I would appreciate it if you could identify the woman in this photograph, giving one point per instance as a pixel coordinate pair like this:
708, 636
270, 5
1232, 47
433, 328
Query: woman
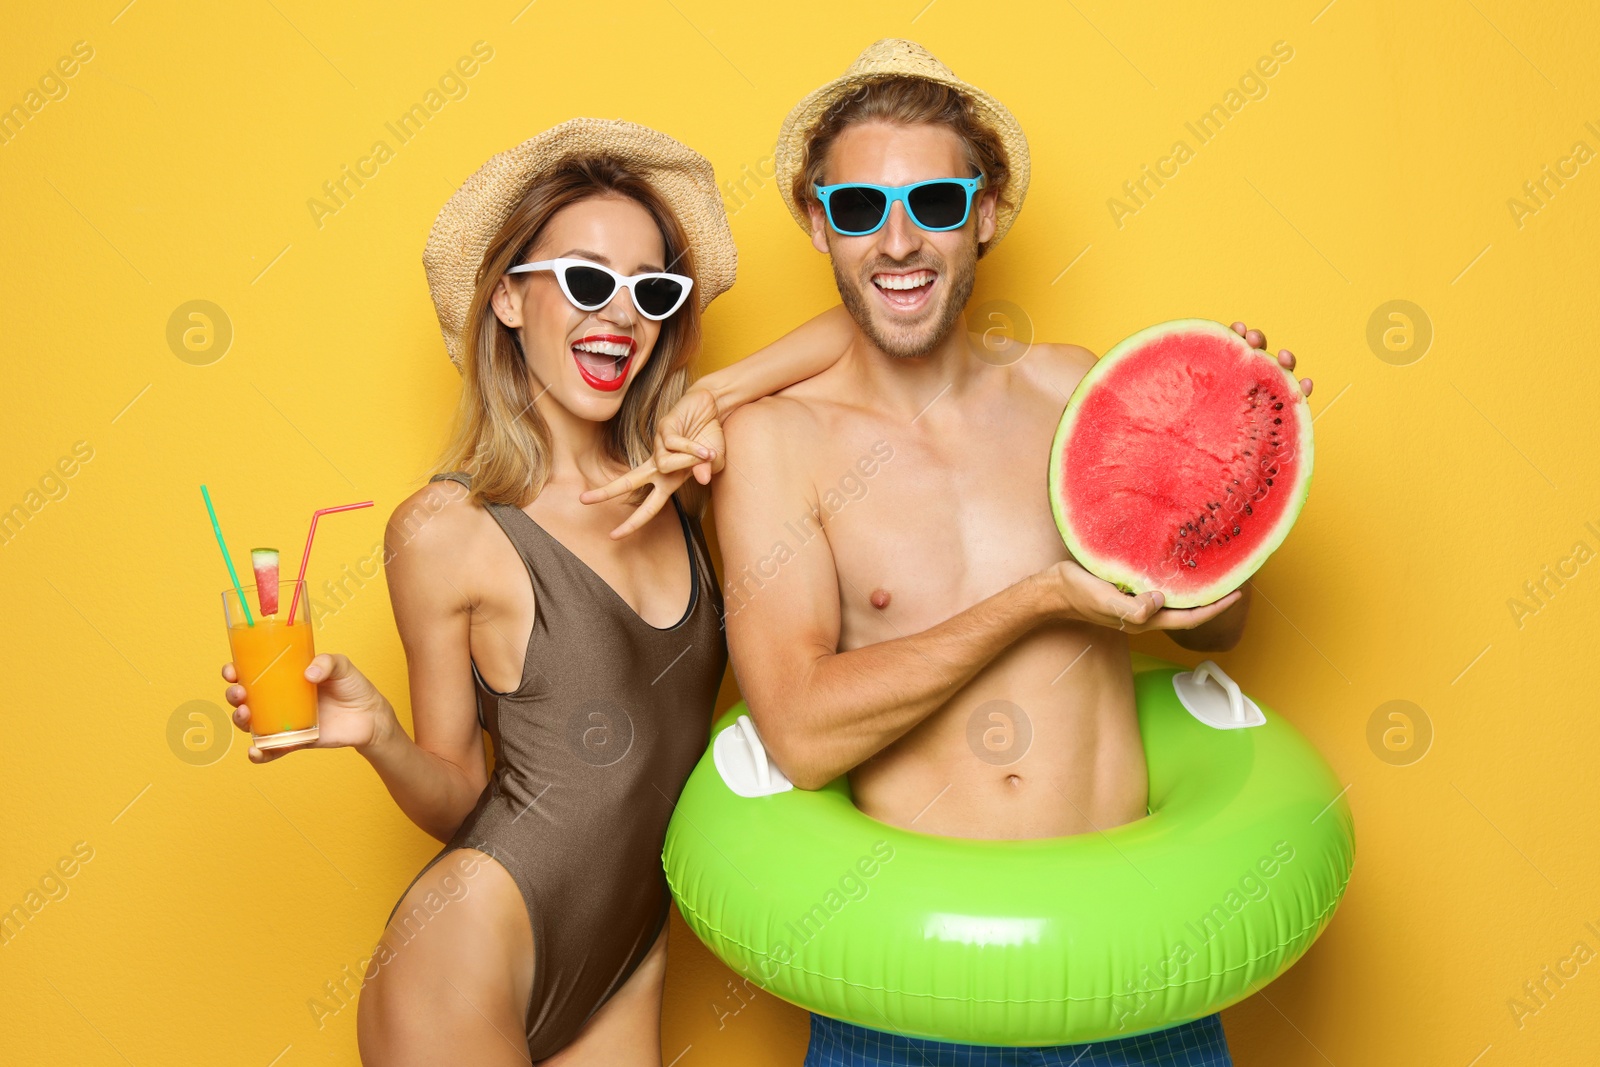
569, 275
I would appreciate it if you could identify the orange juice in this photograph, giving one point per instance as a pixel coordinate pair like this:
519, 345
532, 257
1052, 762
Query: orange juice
270, 658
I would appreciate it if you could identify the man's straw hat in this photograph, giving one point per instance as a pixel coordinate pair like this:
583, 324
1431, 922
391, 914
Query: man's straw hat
470, 218
887, 58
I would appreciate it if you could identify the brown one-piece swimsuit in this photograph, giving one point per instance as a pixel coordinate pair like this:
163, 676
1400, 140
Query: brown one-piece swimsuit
591, 752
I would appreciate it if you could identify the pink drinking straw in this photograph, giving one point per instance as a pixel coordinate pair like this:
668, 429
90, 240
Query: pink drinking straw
300, 579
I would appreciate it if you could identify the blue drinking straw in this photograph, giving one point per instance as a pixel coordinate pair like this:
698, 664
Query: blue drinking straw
244, 603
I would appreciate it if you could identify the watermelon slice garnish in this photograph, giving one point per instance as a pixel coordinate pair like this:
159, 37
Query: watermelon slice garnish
1181, 462
265, 562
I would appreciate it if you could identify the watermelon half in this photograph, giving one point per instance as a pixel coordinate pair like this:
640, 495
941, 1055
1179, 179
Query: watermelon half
1181, 462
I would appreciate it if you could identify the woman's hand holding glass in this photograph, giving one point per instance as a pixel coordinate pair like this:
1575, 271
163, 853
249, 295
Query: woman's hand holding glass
351, 713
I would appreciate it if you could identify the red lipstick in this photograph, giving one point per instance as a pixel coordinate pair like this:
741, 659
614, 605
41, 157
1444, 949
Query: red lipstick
596, 368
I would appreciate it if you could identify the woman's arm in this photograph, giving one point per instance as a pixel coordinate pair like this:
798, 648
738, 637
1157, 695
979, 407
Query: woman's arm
437, 778
808, 349
689, 437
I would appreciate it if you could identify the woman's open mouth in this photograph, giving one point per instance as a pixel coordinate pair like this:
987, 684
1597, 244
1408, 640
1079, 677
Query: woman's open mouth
905, 290
603, 359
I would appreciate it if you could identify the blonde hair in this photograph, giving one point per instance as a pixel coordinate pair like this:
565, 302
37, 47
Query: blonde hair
906, 101
500, 438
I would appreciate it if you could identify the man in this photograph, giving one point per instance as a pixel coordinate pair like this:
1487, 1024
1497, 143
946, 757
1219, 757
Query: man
895, 582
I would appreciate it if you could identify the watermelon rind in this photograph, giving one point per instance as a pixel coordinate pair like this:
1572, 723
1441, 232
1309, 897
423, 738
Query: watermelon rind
1118, 572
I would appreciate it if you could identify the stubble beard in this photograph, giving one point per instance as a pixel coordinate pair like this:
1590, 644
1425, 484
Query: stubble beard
922, 339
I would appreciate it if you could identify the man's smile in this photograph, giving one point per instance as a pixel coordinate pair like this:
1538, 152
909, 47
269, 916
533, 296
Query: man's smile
904, 291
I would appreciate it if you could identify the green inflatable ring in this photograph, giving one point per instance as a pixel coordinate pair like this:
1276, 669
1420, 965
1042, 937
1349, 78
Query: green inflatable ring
1238, 868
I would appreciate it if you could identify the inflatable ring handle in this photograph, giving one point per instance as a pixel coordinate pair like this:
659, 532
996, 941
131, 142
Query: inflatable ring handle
758, 751
1209, 669
1242, 711
754, 775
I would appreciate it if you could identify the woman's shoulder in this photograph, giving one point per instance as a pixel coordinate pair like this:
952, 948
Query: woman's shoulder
435, 524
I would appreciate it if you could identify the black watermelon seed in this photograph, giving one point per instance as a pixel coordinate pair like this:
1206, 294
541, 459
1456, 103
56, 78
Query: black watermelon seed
1247, 510
1275, 422
1236, 531
1269, 481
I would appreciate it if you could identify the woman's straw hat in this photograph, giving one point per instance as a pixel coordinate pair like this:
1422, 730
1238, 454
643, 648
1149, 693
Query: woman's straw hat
892, 57
470, 218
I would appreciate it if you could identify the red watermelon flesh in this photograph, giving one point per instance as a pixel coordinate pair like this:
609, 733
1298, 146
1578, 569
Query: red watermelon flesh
264, 561
1181, 462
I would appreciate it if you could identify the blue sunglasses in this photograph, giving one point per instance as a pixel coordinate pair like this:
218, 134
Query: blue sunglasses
855, 209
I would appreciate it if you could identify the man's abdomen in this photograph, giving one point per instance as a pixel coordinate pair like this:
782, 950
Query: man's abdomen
1043, 742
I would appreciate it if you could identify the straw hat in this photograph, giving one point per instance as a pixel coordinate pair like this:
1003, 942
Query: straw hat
470, 218
887, 58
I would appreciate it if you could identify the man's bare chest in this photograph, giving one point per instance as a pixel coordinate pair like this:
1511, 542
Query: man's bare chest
932, 526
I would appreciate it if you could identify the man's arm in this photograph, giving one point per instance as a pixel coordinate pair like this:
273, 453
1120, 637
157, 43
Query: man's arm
1221, 633
821, 711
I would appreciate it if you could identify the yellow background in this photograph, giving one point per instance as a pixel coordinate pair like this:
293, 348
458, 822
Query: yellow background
1379, 165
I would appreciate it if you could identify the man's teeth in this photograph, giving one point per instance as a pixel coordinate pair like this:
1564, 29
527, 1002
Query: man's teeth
903, 281
603, 348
